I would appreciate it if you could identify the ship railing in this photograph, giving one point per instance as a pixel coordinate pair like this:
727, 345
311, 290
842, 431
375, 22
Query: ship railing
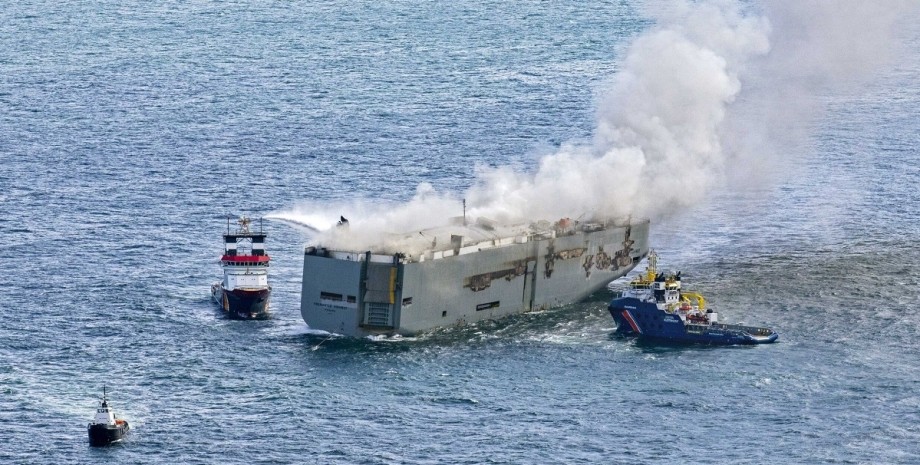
752, 330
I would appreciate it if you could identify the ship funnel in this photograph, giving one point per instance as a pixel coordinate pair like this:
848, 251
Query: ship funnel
651, 273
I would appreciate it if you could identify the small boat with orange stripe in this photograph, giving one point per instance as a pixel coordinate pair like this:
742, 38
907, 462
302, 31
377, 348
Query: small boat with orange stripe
654, 307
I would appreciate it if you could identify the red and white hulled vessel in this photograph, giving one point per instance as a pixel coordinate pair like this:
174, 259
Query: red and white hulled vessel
244, 292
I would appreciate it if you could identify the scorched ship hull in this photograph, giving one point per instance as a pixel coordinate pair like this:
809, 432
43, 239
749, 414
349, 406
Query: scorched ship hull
361, 294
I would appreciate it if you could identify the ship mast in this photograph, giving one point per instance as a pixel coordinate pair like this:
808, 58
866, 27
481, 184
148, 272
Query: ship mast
652, 270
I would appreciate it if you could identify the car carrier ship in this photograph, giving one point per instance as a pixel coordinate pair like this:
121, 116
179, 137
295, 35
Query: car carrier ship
465, 273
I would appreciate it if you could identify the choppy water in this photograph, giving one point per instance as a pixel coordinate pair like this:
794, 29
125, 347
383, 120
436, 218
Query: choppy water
127, 132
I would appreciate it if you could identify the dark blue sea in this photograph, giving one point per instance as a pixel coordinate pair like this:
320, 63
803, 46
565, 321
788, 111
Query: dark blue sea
129, 130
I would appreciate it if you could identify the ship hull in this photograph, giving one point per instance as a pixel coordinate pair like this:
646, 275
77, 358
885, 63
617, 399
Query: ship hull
647, 322
103, 435
243, 304
362, 294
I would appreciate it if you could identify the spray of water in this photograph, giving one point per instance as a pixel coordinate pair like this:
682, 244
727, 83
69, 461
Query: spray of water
715, 91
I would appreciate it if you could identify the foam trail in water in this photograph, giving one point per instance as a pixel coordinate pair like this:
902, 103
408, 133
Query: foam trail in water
700, 94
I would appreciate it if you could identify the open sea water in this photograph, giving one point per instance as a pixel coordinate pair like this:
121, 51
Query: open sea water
128, 130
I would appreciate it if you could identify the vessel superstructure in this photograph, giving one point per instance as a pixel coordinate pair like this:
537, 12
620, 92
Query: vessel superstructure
465, 273
244, 292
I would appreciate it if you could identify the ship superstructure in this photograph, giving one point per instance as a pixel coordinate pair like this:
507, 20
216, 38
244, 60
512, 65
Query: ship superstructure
465, 273
244, 292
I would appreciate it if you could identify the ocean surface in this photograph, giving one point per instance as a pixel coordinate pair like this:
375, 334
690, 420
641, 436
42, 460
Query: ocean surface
129, 130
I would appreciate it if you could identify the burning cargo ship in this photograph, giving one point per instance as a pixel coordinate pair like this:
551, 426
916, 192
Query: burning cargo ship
464, 273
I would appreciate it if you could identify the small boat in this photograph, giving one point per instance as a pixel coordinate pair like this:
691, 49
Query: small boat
105, 428
654, 307
244, 292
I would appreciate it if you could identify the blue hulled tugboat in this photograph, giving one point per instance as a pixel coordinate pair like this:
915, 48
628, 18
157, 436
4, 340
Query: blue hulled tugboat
244, 292
105, 428
654, 307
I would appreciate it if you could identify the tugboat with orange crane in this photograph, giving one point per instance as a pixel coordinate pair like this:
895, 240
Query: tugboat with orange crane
244, 292
105, 428
654, 307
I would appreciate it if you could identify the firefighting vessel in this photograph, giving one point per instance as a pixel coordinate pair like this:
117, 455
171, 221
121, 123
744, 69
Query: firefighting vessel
244, 292
655, 307
105, 428
464, 273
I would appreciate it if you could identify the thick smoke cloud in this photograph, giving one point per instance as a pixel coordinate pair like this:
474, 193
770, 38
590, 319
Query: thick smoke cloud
657, 145
715, 91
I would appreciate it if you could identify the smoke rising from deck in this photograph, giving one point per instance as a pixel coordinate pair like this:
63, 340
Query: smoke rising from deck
716, 91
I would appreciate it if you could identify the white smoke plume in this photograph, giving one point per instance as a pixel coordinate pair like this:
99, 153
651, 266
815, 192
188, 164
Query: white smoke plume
819, 48
372, 224
657, 143
714, 90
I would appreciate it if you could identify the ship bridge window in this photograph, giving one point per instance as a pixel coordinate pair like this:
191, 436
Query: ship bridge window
350, 299
330, 296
